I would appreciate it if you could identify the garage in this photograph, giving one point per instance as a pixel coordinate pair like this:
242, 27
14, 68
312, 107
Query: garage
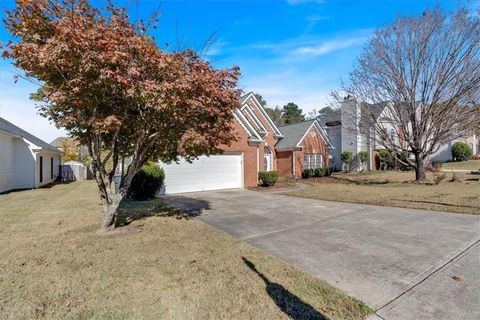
214, 172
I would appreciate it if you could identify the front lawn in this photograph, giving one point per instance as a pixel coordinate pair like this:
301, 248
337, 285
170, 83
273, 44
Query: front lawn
459, 192
462, 165
54, 265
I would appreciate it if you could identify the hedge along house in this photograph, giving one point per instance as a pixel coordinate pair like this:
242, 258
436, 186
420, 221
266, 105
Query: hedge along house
305, 146
26, 161
239, 163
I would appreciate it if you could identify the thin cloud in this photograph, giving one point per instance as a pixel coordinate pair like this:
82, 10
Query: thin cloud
317, 18
329, 46
295, 2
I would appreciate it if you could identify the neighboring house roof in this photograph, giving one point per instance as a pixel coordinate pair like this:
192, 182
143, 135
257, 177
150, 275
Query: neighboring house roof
60, 141
369, 111
334, 118
13, 129
294, 134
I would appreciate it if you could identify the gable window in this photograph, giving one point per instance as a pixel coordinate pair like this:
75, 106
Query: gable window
312, 160
267, 159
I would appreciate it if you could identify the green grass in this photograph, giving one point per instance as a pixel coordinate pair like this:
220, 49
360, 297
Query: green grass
463, 165
160, 265
459, 192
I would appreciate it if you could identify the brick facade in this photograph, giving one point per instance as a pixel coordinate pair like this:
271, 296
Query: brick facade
312, 143
253, 154
288, 163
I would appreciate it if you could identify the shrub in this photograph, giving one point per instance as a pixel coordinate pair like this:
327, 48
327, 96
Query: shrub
322, 172
403, 157
386, 159
363, 156
461, 151
147, 182
347, 157
328, 171
268, 178
307, 173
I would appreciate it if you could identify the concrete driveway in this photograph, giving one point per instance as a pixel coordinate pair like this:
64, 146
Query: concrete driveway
406, 264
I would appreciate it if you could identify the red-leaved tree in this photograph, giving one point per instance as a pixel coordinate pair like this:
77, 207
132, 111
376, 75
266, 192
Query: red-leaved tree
109, 85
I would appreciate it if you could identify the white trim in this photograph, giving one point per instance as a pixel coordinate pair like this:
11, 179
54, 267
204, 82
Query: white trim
258, 161
305, 134
243, 170
254, 116
294, 172
322, 134
264, 113
245, 123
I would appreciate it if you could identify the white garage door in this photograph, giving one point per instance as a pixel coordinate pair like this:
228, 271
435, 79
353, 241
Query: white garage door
207, 173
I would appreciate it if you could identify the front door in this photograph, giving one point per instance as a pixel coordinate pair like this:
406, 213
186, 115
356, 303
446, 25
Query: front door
267, 159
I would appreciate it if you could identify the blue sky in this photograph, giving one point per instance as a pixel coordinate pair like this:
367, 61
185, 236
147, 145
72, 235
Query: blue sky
288, 50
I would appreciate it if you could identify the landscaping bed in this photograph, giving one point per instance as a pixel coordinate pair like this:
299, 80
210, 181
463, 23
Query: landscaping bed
160, 265
281, 184
462, 165
456, 192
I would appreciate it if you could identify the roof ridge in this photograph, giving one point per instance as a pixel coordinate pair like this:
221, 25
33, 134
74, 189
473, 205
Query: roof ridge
9, 127
297, 123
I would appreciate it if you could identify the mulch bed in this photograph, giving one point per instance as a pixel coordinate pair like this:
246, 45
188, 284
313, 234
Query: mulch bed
277, 186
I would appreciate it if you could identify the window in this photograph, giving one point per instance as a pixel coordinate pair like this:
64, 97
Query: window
318, 161
41, 169
313, 161
51, 168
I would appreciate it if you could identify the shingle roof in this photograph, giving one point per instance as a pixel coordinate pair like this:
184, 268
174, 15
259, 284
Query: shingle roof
334, 118
293, 133
13, 129
369, 112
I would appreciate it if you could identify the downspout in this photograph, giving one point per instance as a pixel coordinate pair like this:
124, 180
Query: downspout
258, 162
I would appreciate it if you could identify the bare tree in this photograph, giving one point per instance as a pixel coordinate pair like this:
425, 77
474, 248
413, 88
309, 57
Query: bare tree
425, 70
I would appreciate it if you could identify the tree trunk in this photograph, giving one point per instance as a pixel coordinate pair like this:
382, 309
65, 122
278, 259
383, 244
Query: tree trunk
111, 202
419, 168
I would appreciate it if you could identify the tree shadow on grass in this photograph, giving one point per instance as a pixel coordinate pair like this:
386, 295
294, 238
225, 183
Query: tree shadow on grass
290, 304
130, 211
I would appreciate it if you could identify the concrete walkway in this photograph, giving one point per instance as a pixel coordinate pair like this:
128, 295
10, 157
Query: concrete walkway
406, 264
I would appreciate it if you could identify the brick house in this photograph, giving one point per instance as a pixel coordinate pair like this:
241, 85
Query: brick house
305, 146
260, 146
240, 162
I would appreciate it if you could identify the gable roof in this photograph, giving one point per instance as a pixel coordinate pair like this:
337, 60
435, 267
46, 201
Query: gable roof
294, 134
13, 129
253, 135
334, 118
251, 95
250, 122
